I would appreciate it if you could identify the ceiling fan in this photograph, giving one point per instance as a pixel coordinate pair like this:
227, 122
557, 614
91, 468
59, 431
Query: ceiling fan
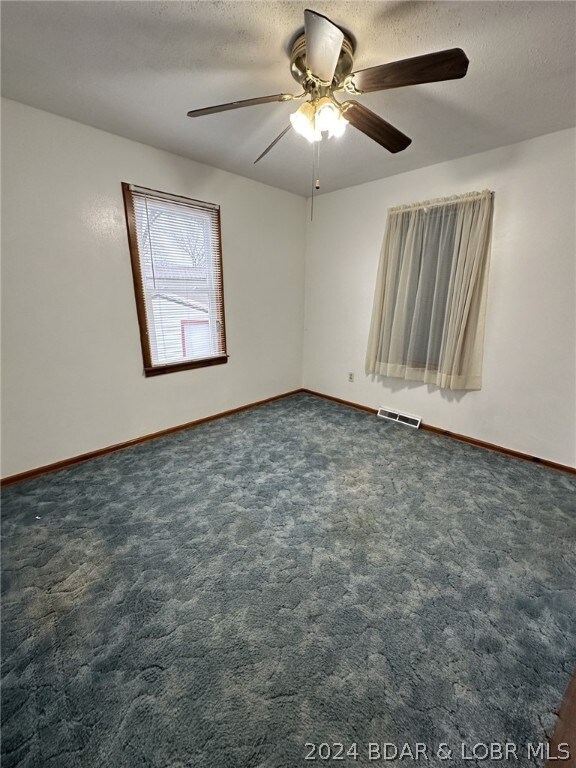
321, 61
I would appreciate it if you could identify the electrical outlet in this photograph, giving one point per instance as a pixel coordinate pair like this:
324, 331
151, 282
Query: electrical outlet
351, 377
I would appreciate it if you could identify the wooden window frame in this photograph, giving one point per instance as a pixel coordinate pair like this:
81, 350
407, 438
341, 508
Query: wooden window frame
149, 368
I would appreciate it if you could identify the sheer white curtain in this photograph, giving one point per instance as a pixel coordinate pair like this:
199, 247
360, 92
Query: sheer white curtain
430, 299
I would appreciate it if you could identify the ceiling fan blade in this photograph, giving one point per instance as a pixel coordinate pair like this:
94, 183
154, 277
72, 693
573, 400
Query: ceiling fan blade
273, 144
375, 127
430, 68
243, 103
323, 45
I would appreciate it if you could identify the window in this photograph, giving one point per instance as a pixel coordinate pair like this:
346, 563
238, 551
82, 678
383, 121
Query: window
430, 299
177, 267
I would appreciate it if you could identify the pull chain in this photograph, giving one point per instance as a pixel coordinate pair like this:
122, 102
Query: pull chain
312, 196
315, 174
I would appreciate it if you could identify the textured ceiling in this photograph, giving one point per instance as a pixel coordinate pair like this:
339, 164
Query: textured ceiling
136, 68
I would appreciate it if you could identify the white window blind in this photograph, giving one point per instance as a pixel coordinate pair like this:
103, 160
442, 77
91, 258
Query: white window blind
177, 267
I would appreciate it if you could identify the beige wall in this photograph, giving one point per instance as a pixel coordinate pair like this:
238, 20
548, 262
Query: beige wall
71, 361
528, 399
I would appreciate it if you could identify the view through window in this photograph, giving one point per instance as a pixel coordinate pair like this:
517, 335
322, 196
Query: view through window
177, 266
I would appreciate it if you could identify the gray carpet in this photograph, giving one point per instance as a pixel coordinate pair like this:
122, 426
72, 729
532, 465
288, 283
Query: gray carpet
300, 572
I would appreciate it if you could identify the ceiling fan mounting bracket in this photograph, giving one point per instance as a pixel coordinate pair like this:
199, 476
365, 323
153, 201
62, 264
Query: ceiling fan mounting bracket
298, 63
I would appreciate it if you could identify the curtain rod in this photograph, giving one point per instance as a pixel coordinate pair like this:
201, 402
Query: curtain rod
442, 201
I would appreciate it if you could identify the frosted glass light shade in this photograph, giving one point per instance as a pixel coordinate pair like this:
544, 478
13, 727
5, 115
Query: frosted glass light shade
327, 116
303, 122
313, 118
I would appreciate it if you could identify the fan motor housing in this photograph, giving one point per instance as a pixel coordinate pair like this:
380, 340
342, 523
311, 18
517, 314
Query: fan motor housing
298, 60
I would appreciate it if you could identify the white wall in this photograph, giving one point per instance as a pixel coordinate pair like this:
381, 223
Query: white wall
72, 366
72, 369
528, 399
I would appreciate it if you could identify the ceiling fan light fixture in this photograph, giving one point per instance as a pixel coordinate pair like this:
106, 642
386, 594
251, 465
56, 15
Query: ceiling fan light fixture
321, 60
339, 126
303, 122
313, 118
329, 117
